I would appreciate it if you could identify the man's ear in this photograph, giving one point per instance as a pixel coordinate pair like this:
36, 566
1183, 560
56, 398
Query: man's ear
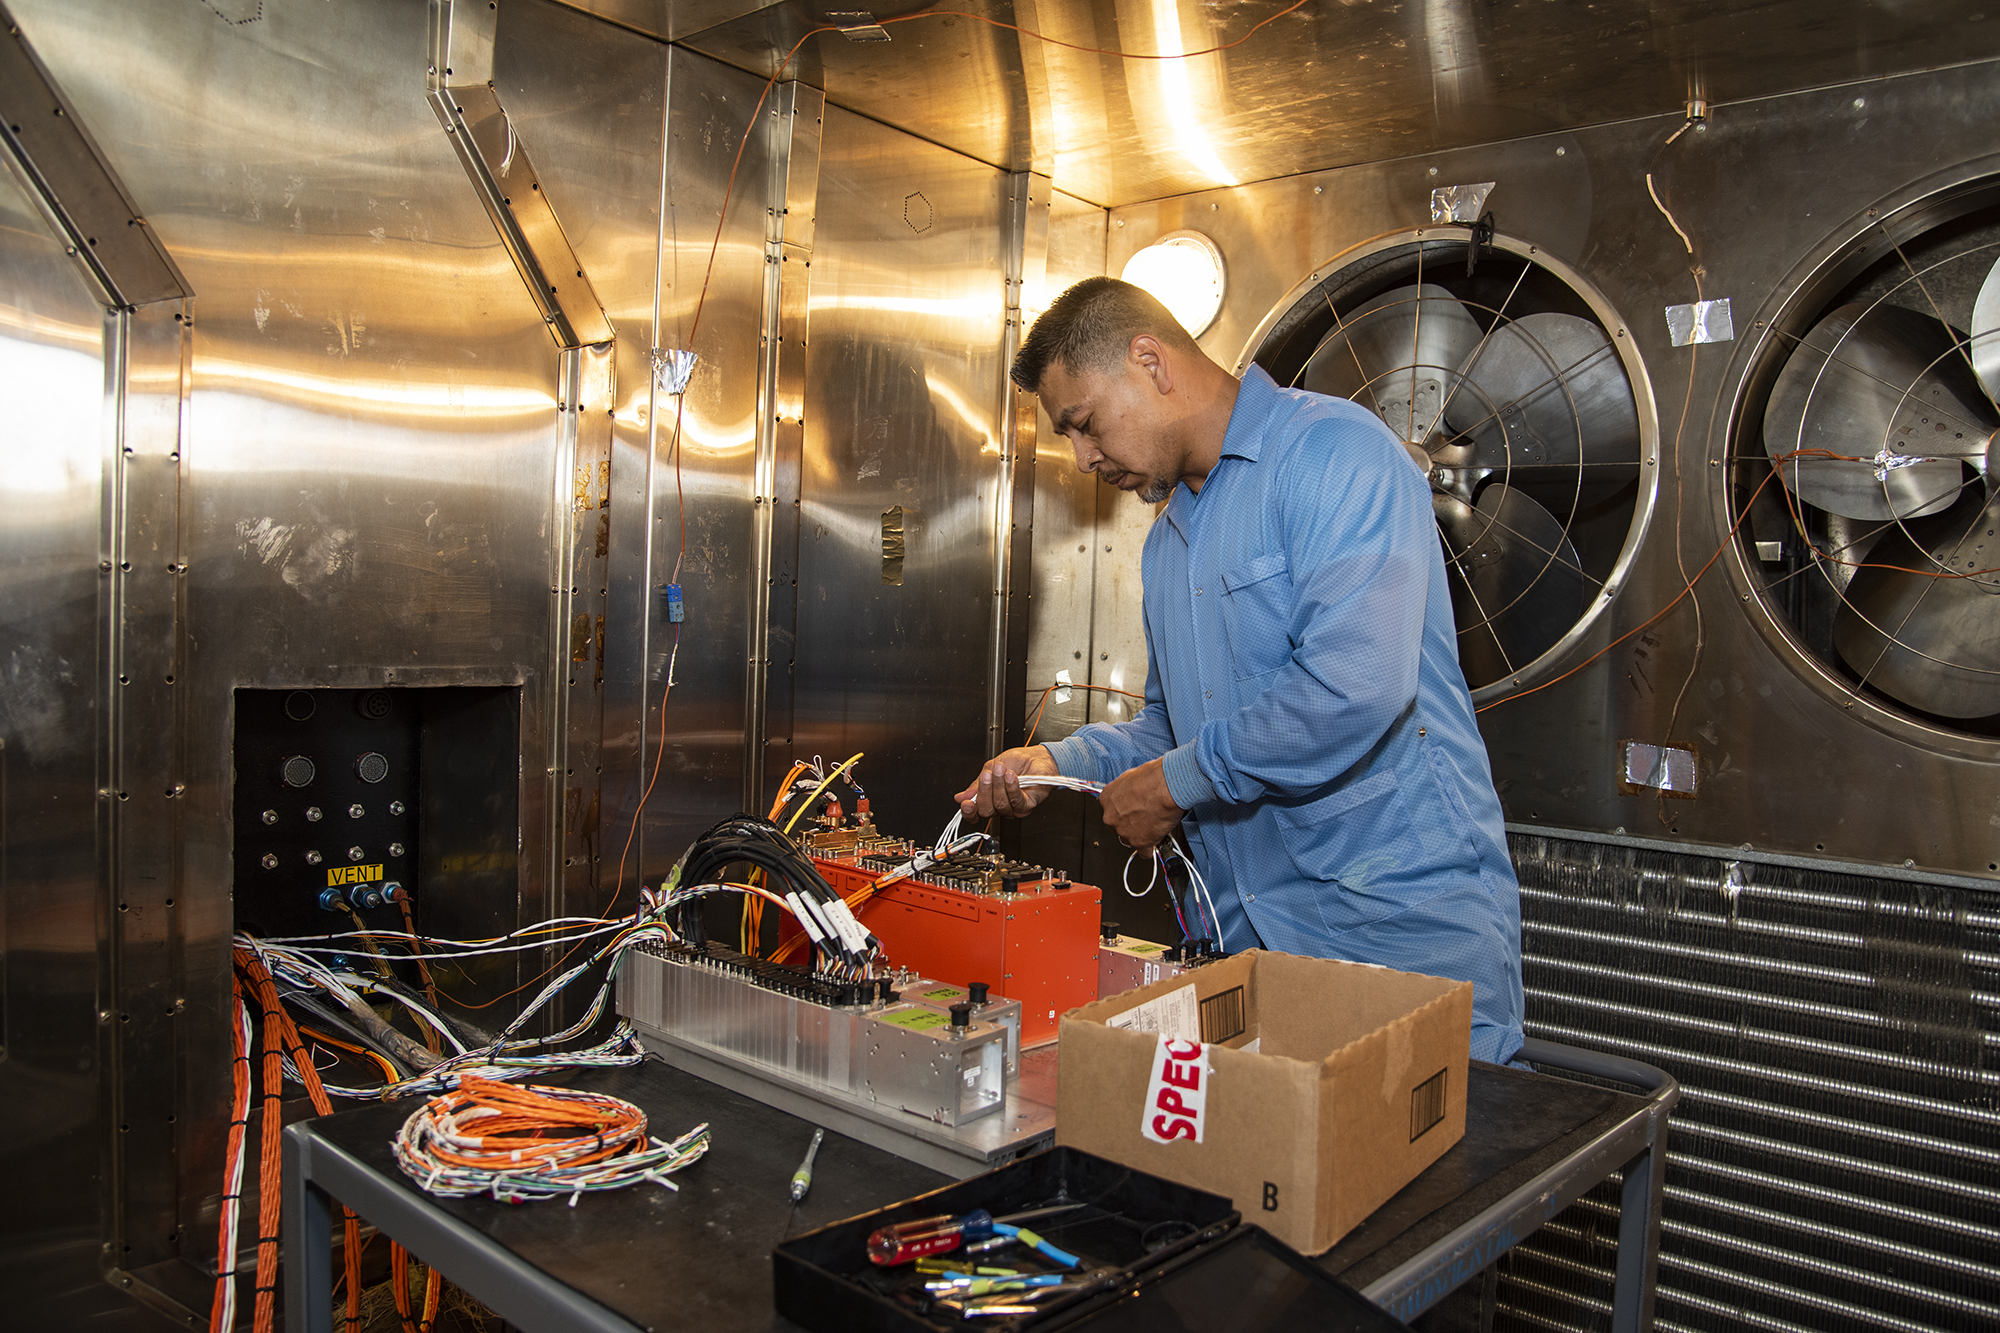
1149, 356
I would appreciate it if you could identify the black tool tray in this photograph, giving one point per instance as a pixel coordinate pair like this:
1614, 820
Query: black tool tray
1132, 1224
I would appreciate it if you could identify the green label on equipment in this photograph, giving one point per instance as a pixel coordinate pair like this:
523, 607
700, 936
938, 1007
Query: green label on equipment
1140, 946
941, 993
918, 1020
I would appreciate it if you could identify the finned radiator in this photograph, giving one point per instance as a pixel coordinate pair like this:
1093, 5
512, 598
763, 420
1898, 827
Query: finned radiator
1834, 1163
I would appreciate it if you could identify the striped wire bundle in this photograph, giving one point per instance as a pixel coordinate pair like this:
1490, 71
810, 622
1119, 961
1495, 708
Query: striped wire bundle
519, 1143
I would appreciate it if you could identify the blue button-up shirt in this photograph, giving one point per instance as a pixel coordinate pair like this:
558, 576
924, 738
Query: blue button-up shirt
1303, 686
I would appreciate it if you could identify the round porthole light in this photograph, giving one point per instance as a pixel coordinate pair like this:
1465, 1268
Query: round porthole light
1183, 271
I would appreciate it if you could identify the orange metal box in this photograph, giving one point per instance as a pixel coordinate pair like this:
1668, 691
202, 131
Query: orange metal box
1038, 946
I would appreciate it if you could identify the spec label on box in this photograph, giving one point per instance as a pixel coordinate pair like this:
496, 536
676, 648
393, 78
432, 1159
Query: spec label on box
1177, 1095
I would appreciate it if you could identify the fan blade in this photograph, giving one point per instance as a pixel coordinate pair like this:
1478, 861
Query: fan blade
1548, 391
1520, 583
1879, 381
1986, 333
1932, 642
1397, 355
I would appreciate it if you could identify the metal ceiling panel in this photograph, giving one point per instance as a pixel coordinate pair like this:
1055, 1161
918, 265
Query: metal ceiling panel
1326, 86
667, 19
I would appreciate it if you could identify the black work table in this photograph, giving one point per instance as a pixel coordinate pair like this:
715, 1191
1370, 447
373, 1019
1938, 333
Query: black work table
649, 1258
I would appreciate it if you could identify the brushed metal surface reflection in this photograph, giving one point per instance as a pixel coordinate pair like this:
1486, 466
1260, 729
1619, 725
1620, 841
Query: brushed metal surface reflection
1328, 86
591, 100
52, 378
691, 517
907, 311
373, 417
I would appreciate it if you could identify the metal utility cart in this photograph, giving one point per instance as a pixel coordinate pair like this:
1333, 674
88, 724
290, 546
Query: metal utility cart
645, 1258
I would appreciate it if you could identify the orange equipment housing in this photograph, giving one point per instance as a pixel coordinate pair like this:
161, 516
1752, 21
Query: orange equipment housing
1037, 945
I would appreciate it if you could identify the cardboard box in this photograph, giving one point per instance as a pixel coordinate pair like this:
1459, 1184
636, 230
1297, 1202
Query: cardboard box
1328, 1087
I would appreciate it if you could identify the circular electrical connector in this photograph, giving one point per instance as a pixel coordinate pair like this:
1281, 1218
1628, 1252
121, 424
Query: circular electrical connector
299, 705
374, 705
371, 767
298, 771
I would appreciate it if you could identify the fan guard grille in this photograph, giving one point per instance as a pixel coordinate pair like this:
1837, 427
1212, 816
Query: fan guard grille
1864, 451
1515, 387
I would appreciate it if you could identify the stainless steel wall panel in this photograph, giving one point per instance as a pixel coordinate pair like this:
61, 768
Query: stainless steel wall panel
1065, 506
372, 422
907, 317
795, 127
698, 471
1025, 237
592, 99
53, 378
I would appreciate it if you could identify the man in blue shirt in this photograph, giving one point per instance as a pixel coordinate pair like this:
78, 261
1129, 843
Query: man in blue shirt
1306, 721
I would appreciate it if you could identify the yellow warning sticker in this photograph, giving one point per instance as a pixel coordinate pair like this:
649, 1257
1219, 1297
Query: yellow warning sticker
340, 875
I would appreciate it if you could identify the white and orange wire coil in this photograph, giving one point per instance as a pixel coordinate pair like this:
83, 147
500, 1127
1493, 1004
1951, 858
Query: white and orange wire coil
522, 1142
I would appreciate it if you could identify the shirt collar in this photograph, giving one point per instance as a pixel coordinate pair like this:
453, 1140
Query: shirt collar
1256, 396
1255, 399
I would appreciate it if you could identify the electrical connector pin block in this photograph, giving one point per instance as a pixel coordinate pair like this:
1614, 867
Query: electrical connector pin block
676, 611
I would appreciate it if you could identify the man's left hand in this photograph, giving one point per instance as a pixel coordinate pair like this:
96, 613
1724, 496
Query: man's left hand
1137, 807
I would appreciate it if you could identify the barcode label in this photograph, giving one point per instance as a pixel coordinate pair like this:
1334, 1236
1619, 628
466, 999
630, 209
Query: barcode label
1426, 1105
1222, 1016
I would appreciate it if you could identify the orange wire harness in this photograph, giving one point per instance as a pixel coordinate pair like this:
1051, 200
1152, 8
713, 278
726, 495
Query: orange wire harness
519, 1142
281, 1038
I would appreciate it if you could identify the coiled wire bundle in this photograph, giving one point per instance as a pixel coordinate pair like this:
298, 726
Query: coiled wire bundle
519, 1143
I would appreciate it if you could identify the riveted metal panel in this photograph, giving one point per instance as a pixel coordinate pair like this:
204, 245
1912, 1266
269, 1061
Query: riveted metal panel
53, 376
908, 313
697, 474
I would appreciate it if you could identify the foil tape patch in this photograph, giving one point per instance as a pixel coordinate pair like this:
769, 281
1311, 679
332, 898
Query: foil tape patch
1460, 203
1700, 322
672, 369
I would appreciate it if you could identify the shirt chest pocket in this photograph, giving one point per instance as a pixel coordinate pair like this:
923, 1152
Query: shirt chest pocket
1257, 614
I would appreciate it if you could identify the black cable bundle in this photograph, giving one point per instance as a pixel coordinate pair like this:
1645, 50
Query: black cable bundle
747, 840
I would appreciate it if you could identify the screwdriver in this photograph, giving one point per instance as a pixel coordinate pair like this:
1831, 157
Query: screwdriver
802, 1178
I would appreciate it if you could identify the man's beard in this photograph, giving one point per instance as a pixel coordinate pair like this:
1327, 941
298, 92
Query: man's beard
1156, 490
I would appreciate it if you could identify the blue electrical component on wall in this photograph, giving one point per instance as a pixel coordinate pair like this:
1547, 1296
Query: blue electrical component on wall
676, 612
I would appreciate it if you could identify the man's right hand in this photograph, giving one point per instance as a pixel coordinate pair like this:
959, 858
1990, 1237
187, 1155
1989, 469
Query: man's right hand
998, 790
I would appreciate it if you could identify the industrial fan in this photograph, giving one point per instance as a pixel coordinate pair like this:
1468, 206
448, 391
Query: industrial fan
1881, 427
1508, 392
